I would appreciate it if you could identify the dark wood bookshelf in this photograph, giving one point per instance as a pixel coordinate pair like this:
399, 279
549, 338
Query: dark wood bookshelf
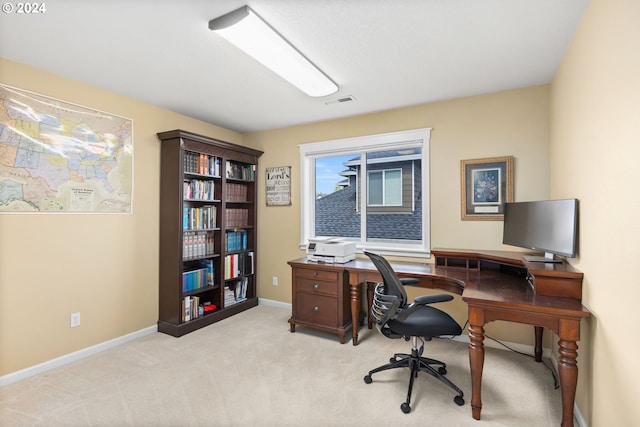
187, 233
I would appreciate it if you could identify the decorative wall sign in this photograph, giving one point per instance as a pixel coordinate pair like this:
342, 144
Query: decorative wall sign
61, 157
279, 186
486, 185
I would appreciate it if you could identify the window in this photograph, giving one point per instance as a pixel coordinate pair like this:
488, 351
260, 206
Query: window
385, 188
371, 189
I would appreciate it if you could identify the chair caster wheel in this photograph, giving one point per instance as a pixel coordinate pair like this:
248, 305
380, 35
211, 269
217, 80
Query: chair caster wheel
459, 400
442, 370
367, 379
405, 408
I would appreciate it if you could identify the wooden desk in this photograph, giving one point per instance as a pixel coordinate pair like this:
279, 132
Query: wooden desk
496, 286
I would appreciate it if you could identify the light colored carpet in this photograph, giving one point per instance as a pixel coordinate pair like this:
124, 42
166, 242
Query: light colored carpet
249, 370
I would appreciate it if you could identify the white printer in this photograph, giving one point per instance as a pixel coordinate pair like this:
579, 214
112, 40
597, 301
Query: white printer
331, 250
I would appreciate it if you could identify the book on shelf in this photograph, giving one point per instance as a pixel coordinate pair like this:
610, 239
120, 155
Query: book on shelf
242, 171
207, 264
199, 218
239, 264
237, 192
197, 244
236, 291
200, 163
190, 308
236, 240
197, 189
236, 217
195, 279
229, 296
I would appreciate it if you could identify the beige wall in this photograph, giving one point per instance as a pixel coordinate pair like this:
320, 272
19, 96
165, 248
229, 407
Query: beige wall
103, 266
595, 147
508, 123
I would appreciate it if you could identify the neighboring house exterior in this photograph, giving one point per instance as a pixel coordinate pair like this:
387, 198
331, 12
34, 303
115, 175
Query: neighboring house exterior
394, 205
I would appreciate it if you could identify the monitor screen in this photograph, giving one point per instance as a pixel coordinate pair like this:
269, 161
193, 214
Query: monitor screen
548, 226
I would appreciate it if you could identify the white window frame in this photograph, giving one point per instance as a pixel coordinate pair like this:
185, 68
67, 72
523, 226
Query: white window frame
383, 172
361, 145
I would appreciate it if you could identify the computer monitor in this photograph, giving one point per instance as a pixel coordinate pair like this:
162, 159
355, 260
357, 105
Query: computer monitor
549, 226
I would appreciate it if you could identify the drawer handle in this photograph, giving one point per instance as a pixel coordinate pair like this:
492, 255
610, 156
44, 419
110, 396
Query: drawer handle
316, 308
316, 286
315, 273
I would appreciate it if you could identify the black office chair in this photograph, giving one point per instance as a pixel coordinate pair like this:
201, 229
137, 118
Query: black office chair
395, 318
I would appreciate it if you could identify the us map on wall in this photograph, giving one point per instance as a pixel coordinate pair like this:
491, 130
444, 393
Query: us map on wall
60, 157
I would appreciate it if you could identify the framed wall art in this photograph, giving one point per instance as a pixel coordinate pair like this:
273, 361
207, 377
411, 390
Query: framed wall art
486, 185
279, 186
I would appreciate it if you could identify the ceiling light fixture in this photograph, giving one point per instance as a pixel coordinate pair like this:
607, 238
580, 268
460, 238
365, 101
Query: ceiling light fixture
250, 33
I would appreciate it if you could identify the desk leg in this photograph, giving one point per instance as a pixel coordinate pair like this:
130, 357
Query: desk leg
355, 311
476, 358
539, 330
370, 287
568, 372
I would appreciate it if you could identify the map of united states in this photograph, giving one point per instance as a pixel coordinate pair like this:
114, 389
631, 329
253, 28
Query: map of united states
60, 157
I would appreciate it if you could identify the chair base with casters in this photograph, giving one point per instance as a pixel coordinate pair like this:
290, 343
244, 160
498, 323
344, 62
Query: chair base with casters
396, 318
416, 364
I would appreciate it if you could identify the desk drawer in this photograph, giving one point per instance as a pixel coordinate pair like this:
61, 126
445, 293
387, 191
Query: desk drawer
317, 274
318, 309
317, 286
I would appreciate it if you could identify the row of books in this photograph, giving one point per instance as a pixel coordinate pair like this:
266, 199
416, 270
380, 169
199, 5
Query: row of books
192, 309
236, 192
200, 277
237, 240
195, 279
200, 163
198, 244
239, 264
236, 217
236, 291
241, 171
201, 218
198, 189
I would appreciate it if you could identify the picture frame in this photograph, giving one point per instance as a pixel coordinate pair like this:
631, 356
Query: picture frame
278, 186
486, 185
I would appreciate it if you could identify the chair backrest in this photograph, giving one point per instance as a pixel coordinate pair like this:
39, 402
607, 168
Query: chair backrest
389, 296
392, 283
384, 308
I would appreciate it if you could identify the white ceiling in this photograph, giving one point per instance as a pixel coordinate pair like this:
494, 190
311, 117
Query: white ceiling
385, 53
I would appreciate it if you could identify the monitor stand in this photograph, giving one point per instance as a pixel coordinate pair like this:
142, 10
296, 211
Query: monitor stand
547, 258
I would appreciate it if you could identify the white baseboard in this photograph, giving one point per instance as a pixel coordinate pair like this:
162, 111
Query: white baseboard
272, 303
73, 357
578, 419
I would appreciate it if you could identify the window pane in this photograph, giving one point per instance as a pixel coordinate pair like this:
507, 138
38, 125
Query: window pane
399, 217
336, 196
393, 188
375, 188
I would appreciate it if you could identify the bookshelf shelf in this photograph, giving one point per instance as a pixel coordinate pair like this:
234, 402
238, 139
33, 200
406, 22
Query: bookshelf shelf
207, 231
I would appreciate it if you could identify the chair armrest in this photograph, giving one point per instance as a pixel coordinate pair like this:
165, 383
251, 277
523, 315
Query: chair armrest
432, 299
409, 281
423, 300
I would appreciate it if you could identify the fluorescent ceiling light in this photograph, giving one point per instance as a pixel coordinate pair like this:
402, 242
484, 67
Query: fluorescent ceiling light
247, 31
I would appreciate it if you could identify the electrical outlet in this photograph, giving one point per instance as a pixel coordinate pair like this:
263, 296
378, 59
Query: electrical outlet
75, 320
275, 280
